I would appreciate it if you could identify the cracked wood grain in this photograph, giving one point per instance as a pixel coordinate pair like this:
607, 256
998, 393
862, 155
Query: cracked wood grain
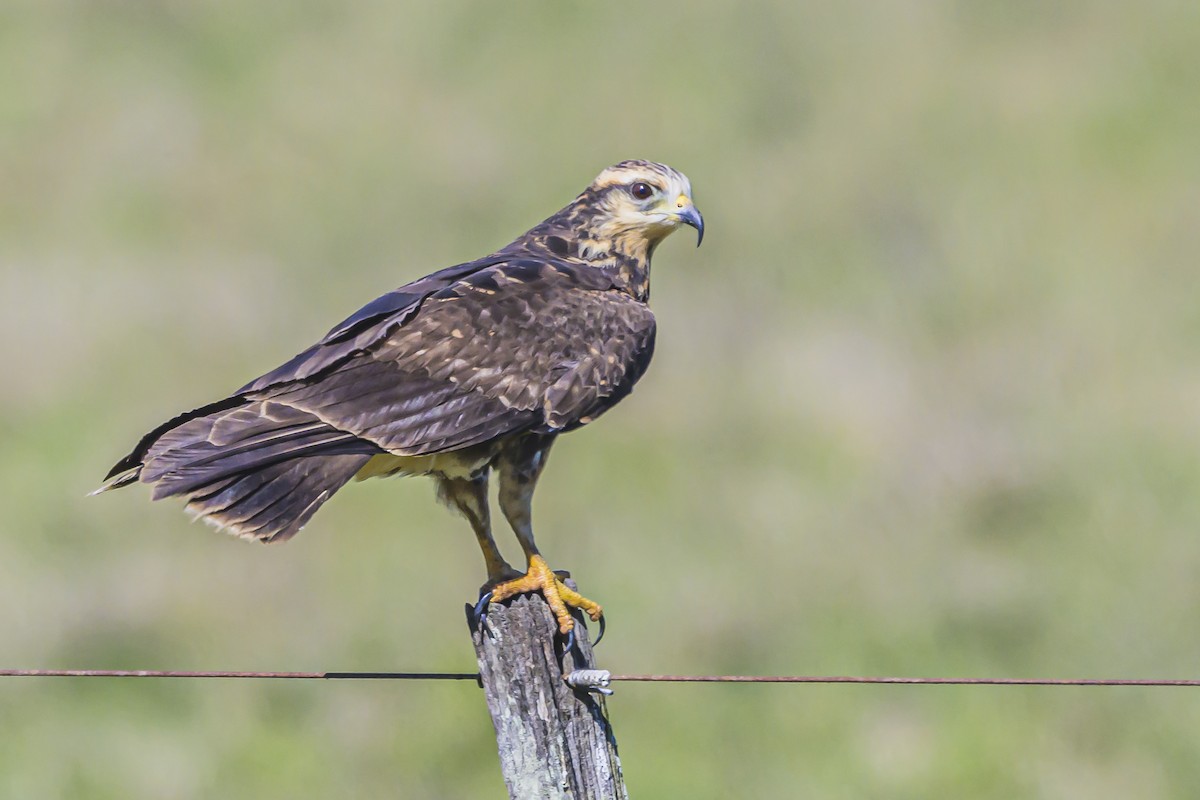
554, 742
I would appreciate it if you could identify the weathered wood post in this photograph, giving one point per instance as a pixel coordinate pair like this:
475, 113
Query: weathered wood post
554, 741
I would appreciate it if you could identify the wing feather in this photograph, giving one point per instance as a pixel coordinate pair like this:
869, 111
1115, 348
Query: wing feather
548, 350
463, 357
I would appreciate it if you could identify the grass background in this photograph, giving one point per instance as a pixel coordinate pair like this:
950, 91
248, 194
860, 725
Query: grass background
927, 402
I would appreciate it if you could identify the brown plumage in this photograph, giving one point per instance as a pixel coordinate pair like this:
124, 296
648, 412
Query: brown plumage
477, 366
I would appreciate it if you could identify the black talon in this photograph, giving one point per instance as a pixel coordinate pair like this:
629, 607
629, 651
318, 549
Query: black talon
480, 613
601, 635
569, 647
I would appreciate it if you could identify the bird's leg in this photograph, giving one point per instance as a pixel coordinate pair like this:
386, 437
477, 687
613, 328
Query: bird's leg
470, 498
520, 467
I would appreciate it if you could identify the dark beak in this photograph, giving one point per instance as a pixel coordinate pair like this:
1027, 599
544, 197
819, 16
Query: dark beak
690, 215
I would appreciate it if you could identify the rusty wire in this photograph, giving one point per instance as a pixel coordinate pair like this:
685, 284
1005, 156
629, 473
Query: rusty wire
152, 673
907, 680
473, 676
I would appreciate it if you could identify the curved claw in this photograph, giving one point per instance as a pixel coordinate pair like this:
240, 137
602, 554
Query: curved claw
570, 645
601, 634
480, 612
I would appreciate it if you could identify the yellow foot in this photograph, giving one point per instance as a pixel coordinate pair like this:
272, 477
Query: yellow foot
560, 598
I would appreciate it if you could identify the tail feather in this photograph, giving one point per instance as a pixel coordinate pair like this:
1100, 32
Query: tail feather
260, 470
190, 469
273, 503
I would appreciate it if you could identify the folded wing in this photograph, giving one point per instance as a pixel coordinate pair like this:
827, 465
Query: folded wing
464, 357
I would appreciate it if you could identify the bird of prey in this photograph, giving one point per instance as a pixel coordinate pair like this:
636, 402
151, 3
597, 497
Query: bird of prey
474, 367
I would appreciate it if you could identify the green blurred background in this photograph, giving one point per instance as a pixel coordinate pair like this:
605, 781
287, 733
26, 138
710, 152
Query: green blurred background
927, 402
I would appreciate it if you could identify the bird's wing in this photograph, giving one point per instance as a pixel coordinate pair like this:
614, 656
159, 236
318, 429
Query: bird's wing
462, 357
521, 345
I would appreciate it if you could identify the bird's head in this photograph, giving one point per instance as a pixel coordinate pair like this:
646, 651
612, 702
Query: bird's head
636, 204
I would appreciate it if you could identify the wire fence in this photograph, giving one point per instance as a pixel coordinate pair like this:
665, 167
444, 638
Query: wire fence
584, 679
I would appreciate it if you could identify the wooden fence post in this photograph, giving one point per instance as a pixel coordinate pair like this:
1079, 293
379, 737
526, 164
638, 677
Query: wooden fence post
554, 741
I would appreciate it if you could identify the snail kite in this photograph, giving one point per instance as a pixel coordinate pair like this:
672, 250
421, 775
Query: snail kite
477, 366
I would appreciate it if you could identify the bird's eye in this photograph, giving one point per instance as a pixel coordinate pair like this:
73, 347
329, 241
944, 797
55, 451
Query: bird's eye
641, 191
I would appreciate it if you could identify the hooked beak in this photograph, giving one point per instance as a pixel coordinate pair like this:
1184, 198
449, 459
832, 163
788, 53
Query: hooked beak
688, 214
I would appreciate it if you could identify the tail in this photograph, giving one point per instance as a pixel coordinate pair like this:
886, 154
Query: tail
257, 468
